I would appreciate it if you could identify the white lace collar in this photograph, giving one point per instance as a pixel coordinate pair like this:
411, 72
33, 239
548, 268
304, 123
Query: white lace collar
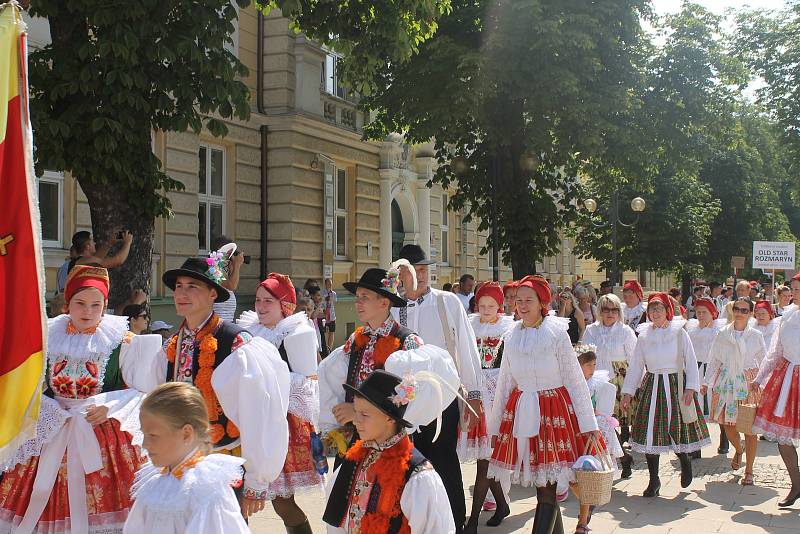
494, 330
106, 337
287, 325
672, 327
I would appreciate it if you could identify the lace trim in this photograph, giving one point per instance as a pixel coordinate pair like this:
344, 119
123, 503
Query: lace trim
559, 473
51, 419
663, 449
288, 484
784, 435
473, 449
249, 320
107, 523
82, 347
495, 330
304, 398
647, 329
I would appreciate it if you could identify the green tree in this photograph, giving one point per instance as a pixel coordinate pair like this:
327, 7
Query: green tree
115, 72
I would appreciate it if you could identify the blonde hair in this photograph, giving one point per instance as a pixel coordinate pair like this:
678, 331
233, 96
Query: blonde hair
179, 404
609, 300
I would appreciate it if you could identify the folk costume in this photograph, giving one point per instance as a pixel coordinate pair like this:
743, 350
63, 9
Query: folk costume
73, 477
542, 404
636, 315
296, 341
663, 366
195, 497
614, 347
243, 380
733, 365
389, 487
770, 328
440, 319
702, 338
603, 394
778, 415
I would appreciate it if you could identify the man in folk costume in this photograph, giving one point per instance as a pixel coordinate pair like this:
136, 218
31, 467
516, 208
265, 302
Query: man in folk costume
441, 320
384, 485
243, 379
634, 312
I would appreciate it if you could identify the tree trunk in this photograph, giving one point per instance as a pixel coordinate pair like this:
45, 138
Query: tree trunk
522, 263
111, 212
686, 287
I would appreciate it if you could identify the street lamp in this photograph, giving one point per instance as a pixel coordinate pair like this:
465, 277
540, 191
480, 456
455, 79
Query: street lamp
638, 205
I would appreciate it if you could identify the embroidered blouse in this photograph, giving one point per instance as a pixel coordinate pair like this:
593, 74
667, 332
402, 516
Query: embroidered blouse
189, 343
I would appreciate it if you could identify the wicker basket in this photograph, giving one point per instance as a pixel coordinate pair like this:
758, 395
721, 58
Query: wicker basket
594, 487
744, 418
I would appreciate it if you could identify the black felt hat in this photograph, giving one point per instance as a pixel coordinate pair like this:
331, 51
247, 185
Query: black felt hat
415, 255
377, 389
199, 269
373, 279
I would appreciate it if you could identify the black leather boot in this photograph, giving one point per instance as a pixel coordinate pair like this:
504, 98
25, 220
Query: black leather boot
654, 487
686, 469
305, 528
547, 519
724, 444
627, 466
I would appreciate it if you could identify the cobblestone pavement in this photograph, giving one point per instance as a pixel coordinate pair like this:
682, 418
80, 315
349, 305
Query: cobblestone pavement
715, 502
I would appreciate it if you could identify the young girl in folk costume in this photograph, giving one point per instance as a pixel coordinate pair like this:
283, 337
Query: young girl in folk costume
765, 320
702, 331
614, 342
384, 485
604, 395
510, 298
490, 327
778, 415
75, 475
183, 489
542, 414
734, 358
296, 340
664, 370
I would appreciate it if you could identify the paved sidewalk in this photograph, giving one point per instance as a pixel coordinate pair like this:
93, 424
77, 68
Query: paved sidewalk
715, 502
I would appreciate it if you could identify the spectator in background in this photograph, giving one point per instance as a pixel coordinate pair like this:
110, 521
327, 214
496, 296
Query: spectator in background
754, 289
306, 304
447, 287
698, 293
715, 294
138, 296
586, 297
606, 287
455, 288
318, 316
465, 286
329, 297
162, 329
63, 271
311, 283
784, 299
227, 309
768, 292
137, 318
568, 308
742, 289
88, 253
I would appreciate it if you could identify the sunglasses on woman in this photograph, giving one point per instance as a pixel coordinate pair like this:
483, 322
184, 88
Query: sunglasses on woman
609, 310
741, 310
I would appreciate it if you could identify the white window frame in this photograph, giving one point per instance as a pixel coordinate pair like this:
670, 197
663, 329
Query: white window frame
207, 198
339, 212
444, 231
330, 75
57, 178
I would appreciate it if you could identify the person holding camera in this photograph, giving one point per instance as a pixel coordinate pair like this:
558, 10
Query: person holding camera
233, 261
88, 253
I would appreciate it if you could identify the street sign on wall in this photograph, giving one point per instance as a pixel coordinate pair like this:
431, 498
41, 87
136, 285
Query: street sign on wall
773, 255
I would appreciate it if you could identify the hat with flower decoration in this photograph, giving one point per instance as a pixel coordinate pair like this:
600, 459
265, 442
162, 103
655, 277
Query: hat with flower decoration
210, 270
387, 392
384, 283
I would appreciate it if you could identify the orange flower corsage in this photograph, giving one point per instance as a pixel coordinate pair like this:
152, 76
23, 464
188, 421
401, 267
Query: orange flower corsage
384, 347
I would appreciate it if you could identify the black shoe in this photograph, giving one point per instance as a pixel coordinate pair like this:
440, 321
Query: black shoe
624, 434
653, 488
724, 444
471, 528
305, 528
686, 470
790, 499
627, 466
547, 519
499, 515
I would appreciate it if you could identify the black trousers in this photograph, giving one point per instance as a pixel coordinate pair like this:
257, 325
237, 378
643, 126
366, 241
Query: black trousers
443, 456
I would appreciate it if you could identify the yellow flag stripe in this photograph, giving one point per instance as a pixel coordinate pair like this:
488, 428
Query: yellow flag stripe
11, 25
19, 399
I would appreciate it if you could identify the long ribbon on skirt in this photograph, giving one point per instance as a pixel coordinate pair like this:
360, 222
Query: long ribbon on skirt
77, 439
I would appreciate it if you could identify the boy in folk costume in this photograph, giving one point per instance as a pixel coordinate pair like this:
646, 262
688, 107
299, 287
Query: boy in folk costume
384, 485
243, 379
440, 319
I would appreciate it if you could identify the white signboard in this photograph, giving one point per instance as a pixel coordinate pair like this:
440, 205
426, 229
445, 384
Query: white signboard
773, 255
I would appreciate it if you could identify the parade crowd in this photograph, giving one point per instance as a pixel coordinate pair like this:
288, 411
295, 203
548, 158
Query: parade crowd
197, 430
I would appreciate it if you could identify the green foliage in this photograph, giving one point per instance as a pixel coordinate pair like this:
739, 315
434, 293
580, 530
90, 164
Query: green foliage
116, 71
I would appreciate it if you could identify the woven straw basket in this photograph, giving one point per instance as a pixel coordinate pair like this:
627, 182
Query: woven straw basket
745, 417
594, 487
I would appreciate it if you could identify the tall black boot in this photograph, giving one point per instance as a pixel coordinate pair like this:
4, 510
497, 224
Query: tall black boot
626, 461
547, 519
305, 528
654, 487
686, 469
625, 433
724, 444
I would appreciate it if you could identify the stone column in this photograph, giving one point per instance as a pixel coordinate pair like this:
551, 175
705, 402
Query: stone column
385, 253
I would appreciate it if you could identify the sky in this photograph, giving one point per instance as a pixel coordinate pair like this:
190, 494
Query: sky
717, 6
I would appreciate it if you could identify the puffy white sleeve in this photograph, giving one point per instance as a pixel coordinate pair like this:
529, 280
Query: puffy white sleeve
301, 350
252, 385
689, 361
469, 361
332, 374
774, 355
635, 373
629, 342
575, 383
143, 362
505, 385
715, 359
217, 512
425, 505
761, 350
431, 399
605, 394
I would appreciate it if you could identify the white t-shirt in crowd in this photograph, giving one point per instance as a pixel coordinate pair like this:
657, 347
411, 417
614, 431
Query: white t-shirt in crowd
465, 299
330, 306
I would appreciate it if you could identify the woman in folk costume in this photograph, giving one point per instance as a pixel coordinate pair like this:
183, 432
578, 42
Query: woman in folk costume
778, 415
614, 342
75, 475
510, 298
733, 364
765, 320
490, 326
664, 370
702, 331
183, 489
635, 312
384, 485
291, 333
542, 414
